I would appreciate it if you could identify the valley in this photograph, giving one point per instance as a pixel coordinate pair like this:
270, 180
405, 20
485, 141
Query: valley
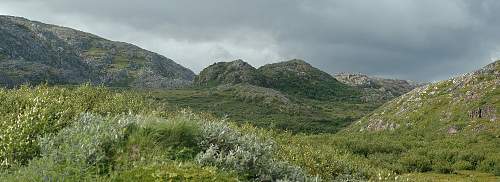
78, 107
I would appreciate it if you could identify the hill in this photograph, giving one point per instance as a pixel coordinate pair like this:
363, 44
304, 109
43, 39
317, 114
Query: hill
465, 104
446, 127
34, 52
297, 77
291, 95
233, 72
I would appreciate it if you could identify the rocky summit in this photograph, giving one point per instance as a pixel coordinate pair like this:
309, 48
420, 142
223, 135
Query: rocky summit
233, 72
34, 52
375, 88
466, 104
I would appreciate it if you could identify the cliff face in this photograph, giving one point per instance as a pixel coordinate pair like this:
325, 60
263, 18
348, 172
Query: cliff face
33, 52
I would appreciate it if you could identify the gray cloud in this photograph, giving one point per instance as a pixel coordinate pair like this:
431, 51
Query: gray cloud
409, 39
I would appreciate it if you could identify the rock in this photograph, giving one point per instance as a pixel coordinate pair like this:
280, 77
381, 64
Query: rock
377, 89
485, 112
452, 130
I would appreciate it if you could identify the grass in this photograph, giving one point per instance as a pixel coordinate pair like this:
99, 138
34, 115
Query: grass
304, 115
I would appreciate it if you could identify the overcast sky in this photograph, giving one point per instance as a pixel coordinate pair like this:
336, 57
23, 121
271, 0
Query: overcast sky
409, 39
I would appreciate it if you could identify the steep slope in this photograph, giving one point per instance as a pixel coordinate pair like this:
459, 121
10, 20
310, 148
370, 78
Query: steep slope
297, 77
377, 89
468, 103
233, 72
35, 52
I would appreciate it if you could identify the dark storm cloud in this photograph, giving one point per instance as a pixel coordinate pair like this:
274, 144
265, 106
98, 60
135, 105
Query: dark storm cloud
410, 39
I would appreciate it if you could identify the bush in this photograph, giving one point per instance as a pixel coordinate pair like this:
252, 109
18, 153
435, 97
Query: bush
491, 165
81, 151
416, 163
29, 113
463, 165
247, 154
442, 167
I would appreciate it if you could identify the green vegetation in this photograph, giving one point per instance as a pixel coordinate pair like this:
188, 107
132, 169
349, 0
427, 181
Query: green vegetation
298, 78
446, 131
247, 104
93, 133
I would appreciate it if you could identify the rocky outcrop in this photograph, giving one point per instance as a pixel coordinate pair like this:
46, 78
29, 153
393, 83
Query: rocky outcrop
377, 89
485, 112
34, 52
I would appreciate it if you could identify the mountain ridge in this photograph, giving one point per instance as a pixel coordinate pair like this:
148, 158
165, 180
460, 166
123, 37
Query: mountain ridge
36, 52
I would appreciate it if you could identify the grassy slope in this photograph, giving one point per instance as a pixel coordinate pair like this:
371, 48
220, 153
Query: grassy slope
420, 141
305, 115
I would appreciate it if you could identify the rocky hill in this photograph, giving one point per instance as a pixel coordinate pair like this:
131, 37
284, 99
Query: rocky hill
233, 72
34, 52
376, 89
295, 77
466, 104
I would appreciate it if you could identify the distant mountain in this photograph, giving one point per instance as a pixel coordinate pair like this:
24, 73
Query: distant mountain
375, 88
466, 104
34, 52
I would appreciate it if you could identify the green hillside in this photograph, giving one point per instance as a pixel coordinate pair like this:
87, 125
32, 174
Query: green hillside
448, 127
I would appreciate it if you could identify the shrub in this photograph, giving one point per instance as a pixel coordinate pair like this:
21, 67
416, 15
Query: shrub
172, 172
81, 151
247, 154
463, 165
416, 162
491, 165
442, 167
29, 113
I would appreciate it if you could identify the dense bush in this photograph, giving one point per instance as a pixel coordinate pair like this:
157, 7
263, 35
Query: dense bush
28, 113
80, 151
247, 154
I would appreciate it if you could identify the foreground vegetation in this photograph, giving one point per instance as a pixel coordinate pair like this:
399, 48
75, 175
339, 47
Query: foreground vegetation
93, 133
90, 133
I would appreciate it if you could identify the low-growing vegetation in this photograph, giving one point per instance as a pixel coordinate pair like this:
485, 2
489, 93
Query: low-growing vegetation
93, 141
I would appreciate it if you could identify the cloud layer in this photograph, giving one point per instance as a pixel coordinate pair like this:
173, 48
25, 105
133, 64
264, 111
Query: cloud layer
409, 39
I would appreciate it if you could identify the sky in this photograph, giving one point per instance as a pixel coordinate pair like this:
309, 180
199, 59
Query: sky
423, 40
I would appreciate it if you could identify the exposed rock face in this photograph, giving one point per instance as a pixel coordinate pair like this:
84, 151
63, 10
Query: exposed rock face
34, 52
376, 89
233, 72
485, 112
470, 101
